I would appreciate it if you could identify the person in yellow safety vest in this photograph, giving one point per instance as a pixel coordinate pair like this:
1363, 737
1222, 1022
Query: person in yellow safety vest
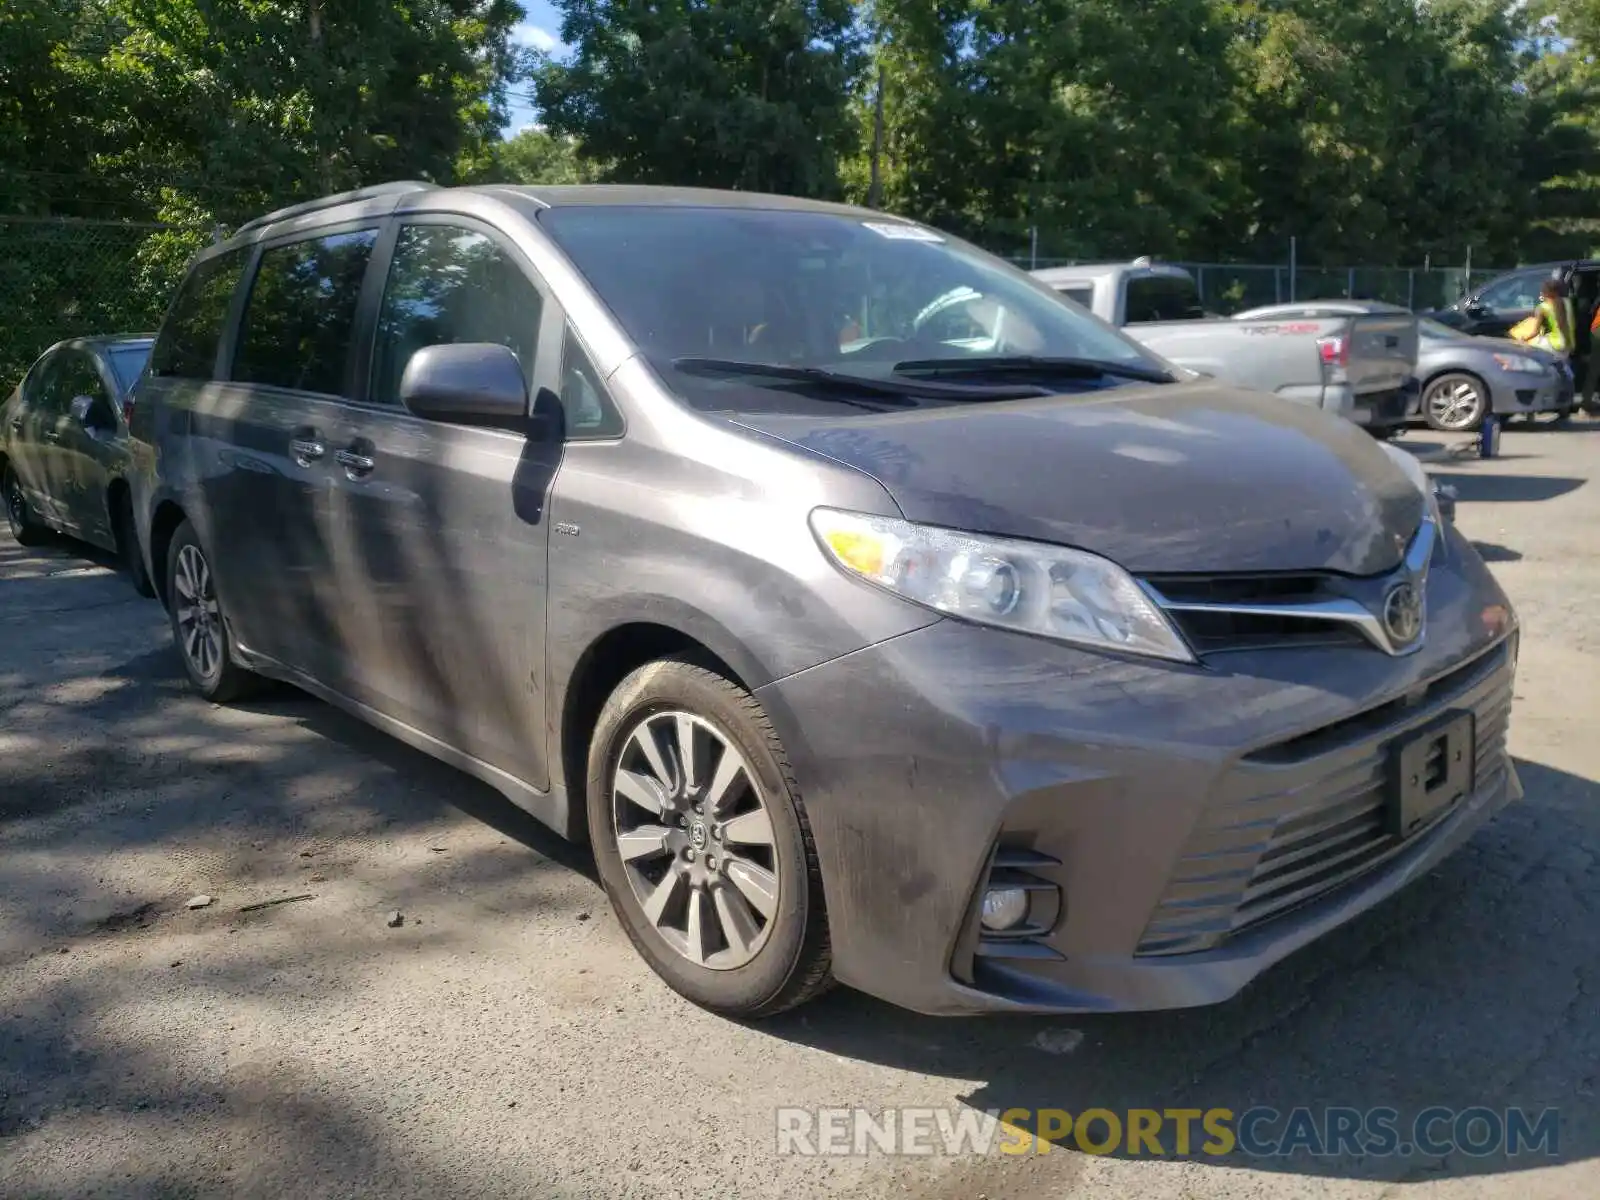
1554, 322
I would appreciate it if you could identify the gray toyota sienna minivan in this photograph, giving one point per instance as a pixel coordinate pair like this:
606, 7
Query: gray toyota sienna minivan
874, 615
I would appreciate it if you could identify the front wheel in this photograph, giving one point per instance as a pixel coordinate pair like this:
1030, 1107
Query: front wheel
26, 528
1454, 403
198, 625
702, 842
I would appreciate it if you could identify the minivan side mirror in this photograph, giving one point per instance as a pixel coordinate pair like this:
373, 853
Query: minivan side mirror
467, 383
1474, 307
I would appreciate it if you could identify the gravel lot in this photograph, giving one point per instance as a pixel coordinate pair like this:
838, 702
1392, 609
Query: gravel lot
506, 1041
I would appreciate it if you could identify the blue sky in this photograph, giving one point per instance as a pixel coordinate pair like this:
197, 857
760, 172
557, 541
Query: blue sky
540, 28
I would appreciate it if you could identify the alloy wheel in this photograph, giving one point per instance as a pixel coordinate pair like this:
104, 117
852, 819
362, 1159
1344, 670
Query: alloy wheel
1454, 405
199, 616
695, 836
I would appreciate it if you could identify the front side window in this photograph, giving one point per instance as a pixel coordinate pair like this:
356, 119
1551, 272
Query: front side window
1515, 294
585, 406
187, 344
446, 285
803, 290
36, 386
301, 313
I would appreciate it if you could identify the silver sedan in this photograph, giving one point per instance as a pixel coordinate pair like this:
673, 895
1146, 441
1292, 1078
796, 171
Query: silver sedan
1461, 377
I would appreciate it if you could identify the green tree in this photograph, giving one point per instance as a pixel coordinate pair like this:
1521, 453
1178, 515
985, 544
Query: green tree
538, 156
1561, 167
748, 94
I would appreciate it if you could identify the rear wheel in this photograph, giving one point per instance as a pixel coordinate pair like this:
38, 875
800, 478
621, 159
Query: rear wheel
198, 624
25, 527
1454, 403
702, 842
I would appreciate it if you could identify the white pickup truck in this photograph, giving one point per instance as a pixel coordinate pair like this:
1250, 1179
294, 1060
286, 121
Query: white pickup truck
1359, 366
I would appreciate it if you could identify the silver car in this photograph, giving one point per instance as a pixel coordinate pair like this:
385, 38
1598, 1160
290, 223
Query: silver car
64, 446
1460, 376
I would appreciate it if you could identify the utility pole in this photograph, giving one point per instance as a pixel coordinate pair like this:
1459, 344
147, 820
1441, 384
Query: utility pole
875, 189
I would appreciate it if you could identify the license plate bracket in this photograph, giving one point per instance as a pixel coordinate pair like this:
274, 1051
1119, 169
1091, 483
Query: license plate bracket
1430, 769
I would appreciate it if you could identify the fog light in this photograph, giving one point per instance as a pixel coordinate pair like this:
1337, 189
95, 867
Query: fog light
1004, 908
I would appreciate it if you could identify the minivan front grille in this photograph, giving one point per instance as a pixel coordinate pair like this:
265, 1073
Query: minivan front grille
1251, 612
1217, 613
1308, 816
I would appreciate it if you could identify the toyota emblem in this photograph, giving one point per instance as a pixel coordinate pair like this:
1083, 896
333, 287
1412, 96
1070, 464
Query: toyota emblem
1402, 613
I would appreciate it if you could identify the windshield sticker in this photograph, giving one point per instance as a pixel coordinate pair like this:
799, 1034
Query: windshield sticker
901, 232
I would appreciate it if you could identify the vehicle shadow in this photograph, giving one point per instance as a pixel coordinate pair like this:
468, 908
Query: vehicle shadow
470, 796
1474, 988
1497, 489
1490, 552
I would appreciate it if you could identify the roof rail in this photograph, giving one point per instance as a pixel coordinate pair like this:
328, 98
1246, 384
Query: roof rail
311, 206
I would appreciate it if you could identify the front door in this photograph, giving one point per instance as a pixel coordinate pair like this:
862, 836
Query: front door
1585, 292
441, 536
31, 450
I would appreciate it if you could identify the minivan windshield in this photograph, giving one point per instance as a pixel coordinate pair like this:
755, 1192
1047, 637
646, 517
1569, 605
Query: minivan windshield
816, 300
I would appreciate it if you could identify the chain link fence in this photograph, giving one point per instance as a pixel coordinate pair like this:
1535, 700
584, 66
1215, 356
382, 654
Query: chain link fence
63, 277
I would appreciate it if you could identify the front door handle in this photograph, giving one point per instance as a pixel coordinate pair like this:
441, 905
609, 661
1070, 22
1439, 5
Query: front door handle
306, 446
356, 459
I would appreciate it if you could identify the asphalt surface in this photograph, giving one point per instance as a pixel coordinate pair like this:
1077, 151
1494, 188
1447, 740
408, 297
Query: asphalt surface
505, 1041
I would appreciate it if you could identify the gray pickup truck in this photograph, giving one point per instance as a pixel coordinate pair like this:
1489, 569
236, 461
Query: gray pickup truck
1359, 366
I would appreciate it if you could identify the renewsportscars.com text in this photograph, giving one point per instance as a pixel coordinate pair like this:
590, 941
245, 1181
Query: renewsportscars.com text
1257, 1132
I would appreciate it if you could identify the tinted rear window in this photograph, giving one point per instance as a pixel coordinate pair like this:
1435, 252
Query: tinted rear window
302, 308
187, 345
1162, 298
127, 362
1080, 295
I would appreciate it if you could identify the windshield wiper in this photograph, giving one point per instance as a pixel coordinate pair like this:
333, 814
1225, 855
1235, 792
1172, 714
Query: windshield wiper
1032, 364
887, 391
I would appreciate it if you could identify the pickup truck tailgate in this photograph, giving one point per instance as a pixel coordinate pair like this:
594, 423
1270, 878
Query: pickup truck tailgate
1383, 351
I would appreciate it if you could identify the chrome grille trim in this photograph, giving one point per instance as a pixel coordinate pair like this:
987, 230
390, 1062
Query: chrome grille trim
1336, 610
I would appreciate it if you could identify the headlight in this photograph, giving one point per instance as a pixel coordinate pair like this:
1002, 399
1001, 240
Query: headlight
1029, 587
1521, 364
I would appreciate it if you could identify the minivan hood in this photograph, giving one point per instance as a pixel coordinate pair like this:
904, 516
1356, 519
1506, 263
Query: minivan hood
1190, 477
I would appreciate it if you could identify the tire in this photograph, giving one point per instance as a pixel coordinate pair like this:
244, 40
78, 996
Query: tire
26, 528
128, 547
209, 663
1454, 403
745, 962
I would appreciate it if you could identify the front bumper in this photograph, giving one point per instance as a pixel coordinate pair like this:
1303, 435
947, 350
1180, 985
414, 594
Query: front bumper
1173, 807
1511, 394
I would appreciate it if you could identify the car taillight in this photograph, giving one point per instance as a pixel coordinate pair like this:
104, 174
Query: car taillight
1335, 351
127, 412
